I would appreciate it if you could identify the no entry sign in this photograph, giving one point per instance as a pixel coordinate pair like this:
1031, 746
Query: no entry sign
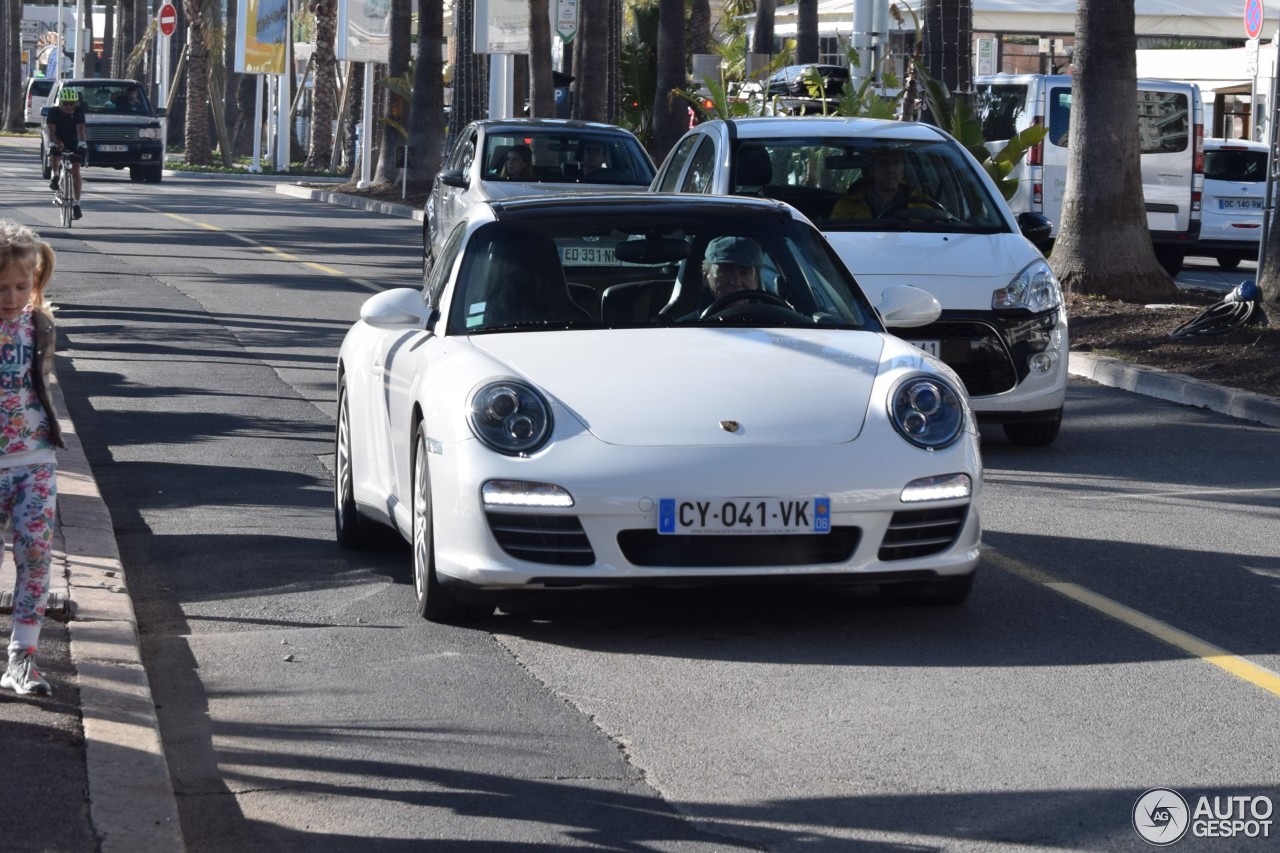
167, 19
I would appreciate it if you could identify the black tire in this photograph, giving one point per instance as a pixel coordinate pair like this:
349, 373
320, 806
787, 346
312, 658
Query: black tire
153, 174
436, 602
135, 174
1034, 433
1171, 259
943, 592
352, 531
1228, 262
46, 170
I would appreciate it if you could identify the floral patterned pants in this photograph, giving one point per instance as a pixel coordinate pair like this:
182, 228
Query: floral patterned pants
28, 495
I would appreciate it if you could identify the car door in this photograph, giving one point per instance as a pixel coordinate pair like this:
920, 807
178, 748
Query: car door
450, 202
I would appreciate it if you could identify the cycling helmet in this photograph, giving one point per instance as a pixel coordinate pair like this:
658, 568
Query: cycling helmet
68, 96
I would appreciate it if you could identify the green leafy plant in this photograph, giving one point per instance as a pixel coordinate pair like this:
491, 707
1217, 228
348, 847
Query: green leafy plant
957, 118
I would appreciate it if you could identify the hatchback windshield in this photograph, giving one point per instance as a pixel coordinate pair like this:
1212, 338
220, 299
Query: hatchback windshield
565, 157
556, 273
870, 184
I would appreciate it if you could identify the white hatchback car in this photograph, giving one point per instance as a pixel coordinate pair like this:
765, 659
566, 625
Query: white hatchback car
1003, 327
1235, 192
588, 392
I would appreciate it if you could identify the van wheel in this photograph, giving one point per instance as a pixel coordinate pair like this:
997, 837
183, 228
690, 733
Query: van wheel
1171, 259
1034, 433
1227, 262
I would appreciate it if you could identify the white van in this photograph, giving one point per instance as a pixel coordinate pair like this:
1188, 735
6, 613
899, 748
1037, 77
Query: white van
1171, 133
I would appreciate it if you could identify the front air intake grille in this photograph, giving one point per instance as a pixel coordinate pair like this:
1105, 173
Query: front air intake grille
649, 548
111, 133
921, 532
555, 539
975, 352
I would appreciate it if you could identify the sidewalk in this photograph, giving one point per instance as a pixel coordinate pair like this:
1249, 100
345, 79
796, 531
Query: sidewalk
131, 806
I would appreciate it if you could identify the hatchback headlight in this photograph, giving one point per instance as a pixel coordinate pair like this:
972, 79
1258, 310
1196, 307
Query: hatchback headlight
1035, 288
927, 412
510, 417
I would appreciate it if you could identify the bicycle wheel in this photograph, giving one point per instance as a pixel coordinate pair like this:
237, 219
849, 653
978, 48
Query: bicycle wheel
66, 197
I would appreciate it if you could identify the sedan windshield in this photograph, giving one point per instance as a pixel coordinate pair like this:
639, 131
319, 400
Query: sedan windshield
870, 184
560, 272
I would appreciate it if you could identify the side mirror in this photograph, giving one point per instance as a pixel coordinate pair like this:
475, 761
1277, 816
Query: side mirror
1037, 228
394, 309
905, 307
161, 112
454, 178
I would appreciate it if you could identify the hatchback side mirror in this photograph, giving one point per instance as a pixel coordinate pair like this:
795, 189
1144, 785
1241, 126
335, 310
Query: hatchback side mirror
454, 178
1037, 228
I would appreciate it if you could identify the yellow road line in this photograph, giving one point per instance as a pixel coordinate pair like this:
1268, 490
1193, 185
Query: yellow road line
1246, 670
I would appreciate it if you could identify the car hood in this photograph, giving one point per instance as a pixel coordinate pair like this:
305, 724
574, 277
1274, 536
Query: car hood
960, 270
676, 387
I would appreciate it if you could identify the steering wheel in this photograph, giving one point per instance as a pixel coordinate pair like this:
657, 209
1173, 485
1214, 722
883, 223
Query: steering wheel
913, 199
744, 295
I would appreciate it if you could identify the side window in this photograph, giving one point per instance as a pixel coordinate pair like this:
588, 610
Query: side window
676, 164
1163, 122
463, 153
434, 283
1059, 116
702, 169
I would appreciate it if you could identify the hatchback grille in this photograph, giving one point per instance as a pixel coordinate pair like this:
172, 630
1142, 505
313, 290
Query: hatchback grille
555, 539
649, 548
921, 532
975, 352
100, 133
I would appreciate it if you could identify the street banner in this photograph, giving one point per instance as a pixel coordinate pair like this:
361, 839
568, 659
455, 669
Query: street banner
262, 27
364, 31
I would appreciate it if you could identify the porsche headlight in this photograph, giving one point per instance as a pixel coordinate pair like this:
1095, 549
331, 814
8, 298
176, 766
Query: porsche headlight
927, 412
510, 417
1035, 288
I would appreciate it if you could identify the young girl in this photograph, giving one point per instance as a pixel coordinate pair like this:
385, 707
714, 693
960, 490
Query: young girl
29, 434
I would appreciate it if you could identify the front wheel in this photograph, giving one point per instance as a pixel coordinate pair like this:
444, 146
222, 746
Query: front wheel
1171, 259
1034, 433
350, 529
153, 174
1228, 262
436, 602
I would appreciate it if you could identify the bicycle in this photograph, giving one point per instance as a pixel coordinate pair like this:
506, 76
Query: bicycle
64, 195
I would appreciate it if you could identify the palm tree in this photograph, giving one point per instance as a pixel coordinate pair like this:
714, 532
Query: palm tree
324, 106
201, 18
806, 31
670, 110
762, 35
590, 89
1103, 244
426, 126
542, 89
397, 109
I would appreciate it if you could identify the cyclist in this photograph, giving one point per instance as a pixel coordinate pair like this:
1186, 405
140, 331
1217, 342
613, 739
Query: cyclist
66, 131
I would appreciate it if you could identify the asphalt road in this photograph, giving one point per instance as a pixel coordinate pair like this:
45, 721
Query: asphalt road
1121, 636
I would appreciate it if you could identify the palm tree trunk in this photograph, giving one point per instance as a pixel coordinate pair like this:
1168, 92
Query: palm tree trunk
324, 92
670, 110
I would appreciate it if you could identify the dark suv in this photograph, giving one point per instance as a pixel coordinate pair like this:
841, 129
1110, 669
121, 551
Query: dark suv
123, 127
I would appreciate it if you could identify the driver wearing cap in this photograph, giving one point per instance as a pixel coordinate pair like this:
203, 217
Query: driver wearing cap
731, 264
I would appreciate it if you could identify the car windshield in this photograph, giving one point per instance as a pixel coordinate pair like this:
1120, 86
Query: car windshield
557, 272
561, 156
113, 98
1238, 165
870, 185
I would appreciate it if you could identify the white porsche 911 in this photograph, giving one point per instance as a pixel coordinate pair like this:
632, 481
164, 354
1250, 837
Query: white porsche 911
679, 390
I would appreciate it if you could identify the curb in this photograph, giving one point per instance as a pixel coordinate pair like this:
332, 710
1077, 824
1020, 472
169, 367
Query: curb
131, 799
1176, 388
373, 205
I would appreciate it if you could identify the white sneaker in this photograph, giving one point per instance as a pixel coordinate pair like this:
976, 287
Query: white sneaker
23, 678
